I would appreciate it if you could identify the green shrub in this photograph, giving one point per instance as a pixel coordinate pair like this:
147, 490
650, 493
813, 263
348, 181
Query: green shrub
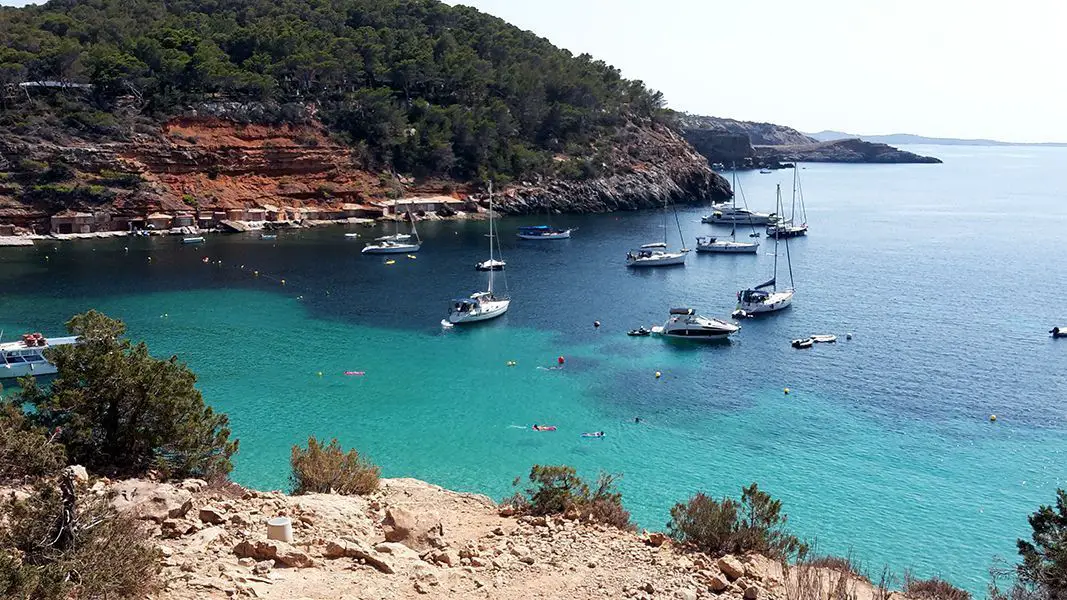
189, 200
755, 523
56, 545
122, 412
559, 490
120, 179
1042, 574
328, 469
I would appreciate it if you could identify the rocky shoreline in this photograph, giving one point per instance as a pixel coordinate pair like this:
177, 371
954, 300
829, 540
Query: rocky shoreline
411, 539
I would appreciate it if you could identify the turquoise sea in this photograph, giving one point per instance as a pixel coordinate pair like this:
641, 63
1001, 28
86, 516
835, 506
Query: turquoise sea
949, 276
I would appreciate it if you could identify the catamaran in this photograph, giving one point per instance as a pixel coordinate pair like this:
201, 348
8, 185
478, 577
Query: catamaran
656, 254
787, 228
709, 243
26, 356
766, 297
482, 306
395, 244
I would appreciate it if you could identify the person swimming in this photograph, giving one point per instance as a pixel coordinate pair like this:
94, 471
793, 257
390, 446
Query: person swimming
637, 419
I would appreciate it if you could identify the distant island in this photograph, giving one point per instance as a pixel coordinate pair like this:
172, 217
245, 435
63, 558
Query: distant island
753, 145
905, 139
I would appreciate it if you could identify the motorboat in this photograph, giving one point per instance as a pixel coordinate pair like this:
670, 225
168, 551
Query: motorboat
802, 343
396, 237
732, 246
268, 236
490, 265
685, 323
767, 297
26, 356
351, 236
543, 232
482, 306
395, 245
765, 171
655, 257
733, 215
639, 332
390, 248
199, 239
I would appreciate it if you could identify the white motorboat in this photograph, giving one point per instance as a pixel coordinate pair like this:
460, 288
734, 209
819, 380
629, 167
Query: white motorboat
714, 244
268, 236
26, 356
490, 265
193, 240
765, 171
684, 323
394, 243
482, 306
736, 216
351, 236
657, 254
543, 232
766, 297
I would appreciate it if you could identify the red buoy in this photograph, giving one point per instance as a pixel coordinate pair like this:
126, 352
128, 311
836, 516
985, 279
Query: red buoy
560, 360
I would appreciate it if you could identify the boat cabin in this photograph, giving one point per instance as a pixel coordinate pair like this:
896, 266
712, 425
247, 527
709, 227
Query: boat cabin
753, 296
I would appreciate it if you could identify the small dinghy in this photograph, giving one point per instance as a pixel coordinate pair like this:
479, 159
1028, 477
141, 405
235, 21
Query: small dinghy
193, 240
802, 344
1058, 332
741, 314
639, 332
351, 235
490, 265
824, 339
268, 236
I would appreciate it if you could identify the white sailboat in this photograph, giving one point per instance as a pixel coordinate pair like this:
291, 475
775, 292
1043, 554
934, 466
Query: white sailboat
766, 297
482, 306
787, 228
656, 254
715, 244
396, 243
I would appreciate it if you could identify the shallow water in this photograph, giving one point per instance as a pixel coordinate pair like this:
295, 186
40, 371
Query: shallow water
948, 276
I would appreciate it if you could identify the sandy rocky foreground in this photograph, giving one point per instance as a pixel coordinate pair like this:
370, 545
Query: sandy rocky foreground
415, 540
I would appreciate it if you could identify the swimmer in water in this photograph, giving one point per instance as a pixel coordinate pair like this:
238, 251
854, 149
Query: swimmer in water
637, 419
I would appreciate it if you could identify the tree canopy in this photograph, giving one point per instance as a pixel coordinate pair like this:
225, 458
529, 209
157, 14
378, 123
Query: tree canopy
416, 85
118, 410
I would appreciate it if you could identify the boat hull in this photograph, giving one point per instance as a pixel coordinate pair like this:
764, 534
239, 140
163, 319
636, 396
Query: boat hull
487, 266
728, 248
786, 232
37, 369
774, 303
729, 220
487, 310
559, 235
391, 249
665, 260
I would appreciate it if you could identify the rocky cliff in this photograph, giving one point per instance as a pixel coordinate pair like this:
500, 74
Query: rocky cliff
721, 141
208, 161
412, 539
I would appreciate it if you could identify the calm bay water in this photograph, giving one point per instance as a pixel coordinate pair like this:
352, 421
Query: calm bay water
948, 276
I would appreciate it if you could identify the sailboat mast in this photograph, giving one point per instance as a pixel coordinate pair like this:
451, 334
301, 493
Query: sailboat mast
733, 190
491, 267
778, 206
793, 206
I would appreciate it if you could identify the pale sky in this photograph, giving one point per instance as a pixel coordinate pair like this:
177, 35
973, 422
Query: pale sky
950, 68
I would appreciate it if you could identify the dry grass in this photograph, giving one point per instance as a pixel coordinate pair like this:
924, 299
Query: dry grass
328, 469
833, 578
932, 589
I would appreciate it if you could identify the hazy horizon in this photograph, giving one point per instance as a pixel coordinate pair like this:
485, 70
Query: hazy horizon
952, 69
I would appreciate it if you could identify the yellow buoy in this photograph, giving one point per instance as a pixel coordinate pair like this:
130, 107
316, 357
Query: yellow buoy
658, 374
390, 262
992, 418
412, 256
320, 373
786, 391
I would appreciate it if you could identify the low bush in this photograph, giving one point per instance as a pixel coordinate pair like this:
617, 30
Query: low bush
559, 490
932, 589
55, 545
328, 469
26, 451
755, 523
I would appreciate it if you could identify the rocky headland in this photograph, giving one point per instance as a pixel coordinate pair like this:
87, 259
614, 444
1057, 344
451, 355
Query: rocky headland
413, 540
751, 145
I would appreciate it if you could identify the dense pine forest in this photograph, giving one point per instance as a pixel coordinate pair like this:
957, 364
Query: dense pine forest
413, 85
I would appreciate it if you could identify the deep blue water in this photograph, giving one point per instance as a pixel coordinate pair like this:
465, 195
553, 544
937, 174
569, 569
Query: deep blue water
949, 277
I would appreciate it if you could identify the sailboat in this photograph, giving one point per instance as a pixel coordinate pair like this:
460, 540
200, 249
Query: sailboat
766, 297
482, 306
787, 228
544, 232
396, 243
709, 243
656, 254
